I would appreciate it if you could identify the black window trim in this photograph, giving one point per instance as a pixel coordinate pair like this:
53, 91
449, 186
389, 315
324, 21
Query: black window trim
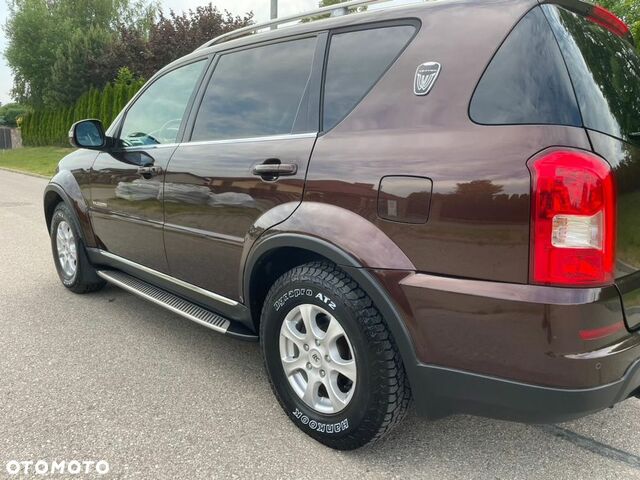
116, 128
314, 82
413, 22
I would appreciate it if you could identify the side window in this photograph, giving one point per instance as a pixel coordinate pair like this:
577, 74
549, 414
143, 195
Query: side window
156, 115
527, 81
356, 62
256, 92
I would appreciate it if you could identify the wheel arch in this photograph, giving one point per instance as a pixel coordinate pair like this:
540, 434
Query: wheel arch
64, 188
294, 247
52, 197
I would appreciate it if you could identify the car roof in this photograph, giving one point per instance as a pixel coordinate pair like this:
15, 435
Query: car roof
416, 11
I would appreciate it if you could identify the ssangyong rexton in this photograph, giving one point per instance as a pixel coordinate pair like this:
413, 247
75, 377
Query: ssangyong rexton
438, 202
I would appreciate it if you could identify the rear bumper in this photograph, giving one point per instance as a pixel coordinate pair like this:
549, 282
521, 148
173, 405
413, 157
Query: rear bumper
512, 351
440, 392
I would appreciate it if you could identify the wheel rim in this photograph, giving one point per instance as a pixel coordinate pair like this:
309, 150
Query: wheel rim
66, 246
318, 358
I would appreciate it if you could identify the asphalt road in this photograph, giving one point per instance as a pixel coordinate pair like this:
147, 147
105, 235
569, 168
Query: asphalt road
110, 377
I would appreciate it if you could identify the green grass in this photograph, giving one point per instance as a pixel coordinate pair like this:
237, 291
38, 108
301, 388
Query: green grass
40, 160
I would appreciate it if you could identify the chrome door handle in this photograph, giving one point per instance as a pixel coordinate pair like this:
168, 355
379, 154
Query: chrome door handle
276, 169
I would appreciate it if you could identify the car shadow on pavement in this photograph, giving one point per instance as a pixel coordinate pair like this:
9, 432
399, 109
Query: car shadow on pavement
604, 445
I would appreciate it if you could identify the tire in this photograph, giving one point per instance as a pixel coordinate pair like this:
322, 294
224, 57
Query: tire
78, 275
373, 396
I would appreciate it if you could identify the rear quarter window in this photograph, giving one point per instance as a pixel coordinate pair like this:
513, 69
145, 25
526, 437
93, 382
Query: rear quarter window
527, 81
356, 61
605, 70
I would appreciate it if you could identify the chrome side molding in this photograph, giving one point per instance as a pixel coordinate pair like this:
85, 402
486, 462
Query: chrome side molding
169, 278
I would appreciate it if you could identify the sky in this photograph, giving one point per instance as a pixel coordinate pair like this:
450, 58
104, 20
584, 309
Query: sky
260, 9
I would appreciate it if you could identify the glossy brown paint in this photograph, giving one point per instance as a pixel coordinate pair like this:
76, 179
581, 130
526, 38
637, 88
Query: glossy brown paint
526, 333
404, 199
478, 226
453, 263
213, 200
479, 213
127, 206
72, 183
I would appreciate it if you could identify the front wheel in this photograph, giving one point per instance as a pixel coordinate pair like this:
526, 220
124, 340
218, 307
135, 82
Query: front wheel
330, 357
69, 255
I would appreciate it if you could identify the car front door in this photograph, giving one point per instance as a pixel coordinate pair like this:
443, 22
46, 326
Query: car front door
127, 183
249, 147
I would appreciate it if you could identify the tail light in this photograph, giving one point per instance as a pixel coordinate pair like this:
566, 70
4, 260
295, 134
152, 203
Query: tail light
572, 219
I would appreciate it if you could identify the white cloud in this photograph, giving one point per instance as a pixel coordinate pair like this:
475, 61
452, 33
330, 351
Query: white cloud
6, 80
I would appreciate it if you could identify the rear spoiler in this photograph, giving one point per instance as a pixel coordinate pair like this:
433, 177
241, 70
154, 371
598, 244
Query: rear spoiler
599, 15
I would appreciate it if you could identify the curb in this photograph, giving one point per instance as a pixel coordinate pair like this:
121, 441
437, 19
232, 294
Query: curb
29, 174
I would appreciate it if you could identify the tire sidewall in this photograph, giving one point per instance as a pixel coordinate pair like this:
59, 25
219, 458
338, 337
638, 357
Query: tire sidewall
279, 303
59, 215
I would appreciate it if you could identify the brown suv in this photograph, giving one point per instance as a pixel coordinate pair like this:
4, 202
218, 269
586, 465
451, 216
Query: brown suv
437, 201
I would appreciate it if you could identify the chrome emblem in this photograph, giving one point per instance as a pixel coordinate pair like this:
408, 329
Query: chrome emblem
426, 76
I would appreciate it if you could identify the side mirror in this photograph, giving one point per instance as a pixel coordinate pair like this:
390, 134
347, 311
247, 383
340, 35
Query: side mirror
88, 134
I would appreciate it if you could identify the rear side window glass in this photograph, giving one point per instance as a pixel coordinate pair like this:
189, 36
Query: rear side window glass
605, 70
527, 81
356, 62
256, 92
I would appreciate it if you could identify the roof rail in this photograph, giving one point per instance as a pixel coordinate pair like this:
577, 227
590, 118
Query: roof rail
336, 10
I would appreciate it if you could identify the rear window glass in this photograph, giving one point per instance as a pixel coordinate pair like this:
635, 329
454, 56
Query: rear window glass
356, 61
527, 81
605, 70
256, 92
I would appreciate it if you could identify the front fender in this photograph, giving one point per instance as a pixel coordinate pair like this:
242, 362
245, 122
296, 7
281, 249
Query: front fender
64, 186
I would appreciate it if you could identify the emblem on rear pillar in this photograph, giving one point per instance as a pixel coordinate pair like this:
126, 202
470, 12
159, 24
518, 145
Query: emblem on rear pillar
426, 76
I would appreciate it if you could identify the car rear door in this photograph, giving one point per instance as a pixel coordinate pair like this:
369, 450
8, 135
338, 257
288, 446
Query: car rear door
126, 188
605, 70
246, 159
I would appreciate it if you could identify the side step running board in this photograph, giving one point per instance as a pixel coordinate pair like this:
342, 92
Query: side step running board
167, 300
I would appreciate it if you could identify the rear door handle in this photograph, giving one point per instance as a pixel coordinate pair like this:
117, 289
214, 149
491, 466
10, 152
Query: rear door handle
275, 169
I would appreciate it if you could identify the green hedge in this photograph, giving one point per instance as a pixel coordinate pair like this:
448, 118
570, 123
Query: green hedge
51, 126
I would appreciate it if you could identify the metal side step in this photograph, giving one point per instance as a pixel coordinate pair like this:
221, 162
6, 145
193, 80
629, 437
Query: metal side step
167, 300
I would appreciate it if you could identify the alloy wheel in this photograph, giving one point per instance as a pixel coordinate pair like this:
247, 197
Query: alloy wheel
66, 247
318, 358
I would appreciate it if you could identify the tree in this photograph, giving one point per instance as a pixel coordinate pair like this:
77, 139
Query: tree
46, 42
174, 36
629, 11
70, 73
80, 45
33, 39
10, 113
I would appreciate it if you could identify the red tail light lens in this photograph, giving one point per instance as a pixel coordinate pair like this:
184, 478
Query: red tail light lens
573, 219
610, 21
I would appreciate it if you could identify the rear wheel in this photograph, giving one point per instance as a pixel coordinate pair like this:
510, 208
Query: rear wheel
331, 359
69, 254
